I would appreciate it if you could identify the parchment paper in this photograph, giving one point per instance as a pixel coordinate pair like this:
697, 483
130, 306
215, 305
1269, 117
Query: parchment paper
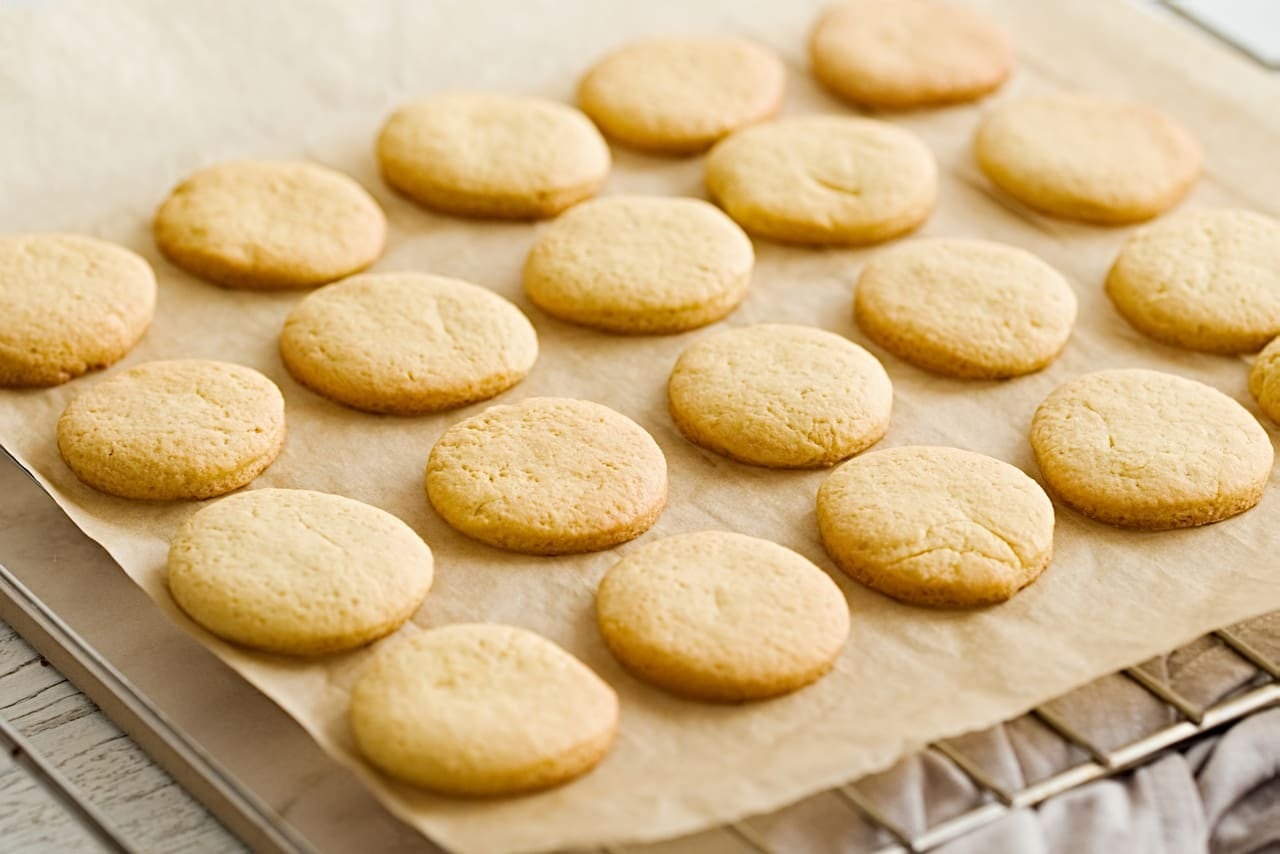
104, 107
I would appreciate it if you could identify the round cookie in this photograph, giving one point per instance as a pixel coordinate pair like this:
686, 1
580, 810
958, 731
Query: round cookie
548, 476
780, 396
172, 430
1144, 449
686, 613
965, 308
297, 572
1087, 158
936, 526
824, 180
486, 155
68, 305
1264, 380
270, 224
901, 54
681, 95
640, 265
407, 343
481, 710
1205, 280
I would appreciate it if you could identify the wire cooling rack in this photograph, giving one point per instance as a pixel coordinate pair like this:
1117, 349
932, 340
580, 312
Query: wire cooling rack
994, 798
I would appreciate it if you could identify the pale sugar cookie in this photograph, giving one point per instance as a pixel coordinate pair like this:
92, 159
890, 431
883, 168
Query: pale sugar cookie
1087, 158
487, 155
640, 265
548, 476
1145, 449
407, 343
171, 430
482, 710
965, 308
68, 305
780, 396
680, 95
900, 54
936, 526
824, 180
270, 224
688, 614
297, 572
1205, 280
1264, 380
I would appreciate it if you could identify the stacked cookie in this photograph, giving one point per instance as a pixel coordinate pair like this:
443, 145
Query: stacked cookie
715, 616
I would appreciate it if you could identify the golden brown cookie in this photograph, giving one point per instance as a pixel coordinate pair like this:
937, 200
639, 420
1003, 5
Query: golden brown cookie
936, 526
486, 155
68, 305
685, 613
680, 95
298, 572
482, 710
1088, 158
171, 430
407, 343
824, 180
640, 265
1145, 449
900, 54
548, 476
270, 224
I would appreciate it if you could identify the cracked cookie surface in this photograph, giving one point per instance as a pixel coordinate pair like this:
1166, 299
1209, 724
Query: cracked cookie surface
685, 613
824, 180
479, 710
171, 430
297, 572
407, 343
270, 225
1206, 280
548, 476
640, 265
936, 526
1146, 449
780, 396
68, 305
965, 308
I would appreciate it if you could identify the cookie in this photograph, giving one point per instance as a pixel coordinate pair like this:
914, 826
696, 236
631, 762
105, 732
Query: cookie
1145, 449
681, 95
270, 225
780, 396
936, 526
1205, 280
68, 305
1087, 158
548, 476
172, 430
965, 308
640, 265
297, 572
824, 180
902, 54
407, 343
1264, 380
499, 156
686, 613
482, 710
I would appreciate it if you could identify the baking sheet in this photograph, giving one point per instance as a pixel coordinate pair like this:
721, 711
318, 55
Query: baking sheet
103, 110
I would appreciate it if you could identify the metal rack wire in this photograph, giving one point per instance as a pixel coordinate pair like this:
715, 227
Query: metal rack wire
997, 799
